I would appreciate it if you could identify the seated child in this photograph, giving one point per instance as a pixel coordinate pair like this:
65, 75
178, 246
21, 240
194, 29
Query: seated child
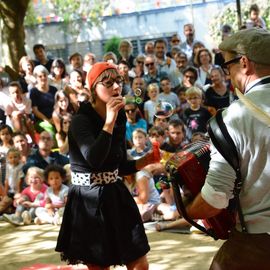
143, 186
56, 197
14, 179
31, 197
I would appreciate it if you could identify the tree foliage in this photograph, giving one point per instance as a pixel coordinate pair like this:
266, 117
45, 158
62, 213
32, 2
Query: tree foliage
14, 14
71, 12
112, 45
229, 16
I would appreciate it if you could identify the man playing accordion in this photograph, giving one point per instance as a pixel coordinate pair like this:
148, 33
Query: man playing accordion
247, 62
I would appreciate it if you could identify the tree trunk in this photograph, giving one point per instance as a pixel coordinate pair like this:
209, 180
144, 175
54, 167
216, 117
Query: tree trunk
12, 13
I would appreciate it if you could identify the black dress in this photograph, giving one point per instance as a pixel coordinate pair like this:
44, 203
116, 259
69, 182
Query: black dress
101, 223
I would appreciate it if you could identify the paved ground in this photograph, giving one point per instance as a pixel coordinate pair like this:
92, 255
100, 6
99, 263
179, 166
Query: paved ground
30, 247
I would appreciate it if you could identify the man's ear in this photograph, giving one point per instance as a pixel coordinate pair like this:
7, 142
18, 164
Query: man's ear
246, 64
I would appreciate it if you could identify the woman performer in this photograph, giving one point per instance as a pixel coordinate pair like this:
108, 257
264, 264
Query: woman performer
101, 224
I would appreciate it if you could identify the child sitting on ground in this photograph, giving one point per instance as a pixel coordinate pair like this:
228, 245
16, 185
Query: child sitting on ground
14, 180
142, 183
56, 196
31, 197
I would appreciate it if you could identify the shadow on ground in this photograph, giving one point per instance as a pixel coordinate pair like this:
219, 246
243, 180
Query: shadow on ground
25, 246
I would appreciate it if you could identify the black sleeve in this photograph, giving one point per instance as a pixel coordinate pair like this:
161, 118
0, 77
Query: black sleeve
94, 148
126, 166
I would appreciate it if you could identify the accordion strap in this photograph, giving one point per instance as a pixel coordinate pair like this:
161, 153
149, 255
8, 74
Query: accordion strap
223, 142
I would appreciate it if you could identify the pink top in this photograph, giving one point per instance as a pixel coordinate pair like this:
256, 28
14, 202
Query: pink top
38, 196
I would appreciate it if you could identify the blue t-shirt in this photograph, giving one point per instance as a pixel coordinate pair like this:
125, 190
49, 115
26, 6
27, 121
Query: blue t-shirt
141, 123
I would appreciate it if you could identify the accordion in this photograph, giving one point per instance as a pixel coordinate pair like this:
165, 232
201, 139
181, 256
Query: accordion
187, 170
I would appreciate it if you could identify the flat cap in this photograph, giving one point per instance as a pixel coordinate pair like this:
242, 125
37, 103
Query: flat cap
253, 43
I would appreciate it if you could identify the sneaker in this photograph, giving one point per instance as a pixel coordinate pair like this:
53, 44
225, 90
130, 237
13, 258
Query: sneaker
27, 219
13, 219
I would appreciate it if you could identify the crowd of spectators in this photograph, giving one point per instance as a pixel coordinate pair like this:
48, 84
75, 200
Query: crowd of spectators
37, 108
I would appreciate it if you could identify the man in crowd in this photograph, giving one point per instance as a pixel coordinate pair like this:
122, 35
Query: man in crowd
44, 155
41, 57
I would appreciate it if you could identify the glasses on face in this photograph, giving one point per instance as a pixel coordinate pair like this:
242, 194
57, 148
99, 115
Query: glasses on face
140, 62
110, 82
175, 40
225, 65
149, 64
130, 110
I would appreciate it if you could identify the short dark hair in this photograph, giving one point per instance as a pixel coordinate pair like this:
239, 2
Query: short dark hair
124, 62
156, 130
16, 84
38, 46
161, 40
55, 168
19, 133
73, 55
191, 69
177, 123
165, 78
254, 7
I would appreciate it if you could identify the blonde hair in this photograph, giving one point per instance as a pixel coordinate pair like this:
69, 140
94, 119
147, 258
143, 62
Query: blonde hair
36, 170
14, 150
194, 91
152, 86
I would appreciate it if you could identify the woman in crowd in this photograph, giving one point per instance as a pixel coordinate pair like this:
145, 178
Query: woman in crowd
27, 79
62, 107
62, 135
42, 97
204, 61
138, 69
218, 95
58, 75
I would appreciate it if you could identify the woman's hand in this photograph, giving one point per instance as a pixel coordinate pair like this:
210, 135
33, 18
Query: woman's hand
112, 108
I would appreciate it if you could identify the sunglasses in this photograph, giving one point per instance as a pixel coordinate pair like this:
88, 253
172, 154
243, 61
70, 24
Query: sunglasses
175, 41
130, 111
225, 65
149, 64
140, 62
109, 83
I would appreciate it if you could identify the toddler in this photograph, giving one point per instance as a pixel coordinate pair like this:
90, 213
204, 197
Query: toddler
14, 179
56, 196
31, 197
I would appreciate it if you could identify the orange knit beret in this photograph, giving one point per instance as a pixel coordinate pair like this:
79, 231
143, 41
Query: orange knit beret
96, 70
